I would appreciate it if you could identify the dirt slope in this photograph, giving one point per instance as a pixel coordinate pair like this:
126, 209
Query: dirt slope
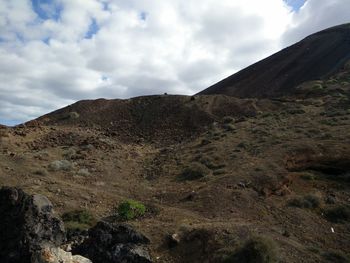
315, 57
152, 118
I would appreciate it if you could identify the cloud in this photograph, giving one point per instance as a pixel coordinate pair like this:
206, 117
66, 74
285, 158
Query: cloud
315, 16
54, 54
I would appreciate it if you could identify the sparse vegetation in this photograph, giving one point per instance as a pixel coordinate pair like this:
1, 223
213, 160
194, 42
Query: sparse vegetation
61, 165
41, 172
69, 153
338, 214
228, 119
229, 127
212, 162
131, 209
194, 171
307, 201
317, 87
330, 122
3, 133
72, 115
255, 250
83, 172
308, 176
205, 142
78, 220
335, 256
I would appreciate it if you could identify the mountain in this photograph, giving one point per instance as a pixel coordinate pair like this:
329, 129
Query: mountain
316, 57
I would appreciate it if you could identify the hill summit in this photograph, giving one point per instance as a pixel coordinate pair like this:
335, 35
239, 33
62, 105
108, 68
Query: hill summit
316, 57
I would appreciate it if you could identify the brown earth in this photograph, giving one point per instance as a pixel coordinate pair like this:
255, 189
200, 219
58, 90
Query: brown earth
316, 57
267, 152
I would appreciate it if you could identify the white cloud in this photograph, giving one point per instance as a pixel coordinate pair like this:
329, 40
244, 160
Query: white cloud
314, 16
141, 47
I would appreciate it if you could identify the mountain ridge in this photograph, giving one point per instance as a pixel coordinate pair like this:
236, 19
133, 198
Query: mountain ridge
315, 57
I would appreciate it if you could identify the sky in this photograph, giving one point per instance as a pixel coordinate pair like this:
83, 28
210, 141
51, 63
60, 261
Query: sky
56, 52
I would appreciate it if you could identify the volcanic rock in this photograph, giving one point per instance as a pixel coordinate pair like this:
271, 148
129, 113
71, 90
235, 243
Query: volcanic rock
110, 243
27, 225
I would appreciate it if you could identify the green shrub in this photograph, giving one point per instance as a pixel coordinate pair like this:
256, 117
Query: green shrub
242, 145
205, 142
73, 115
229, 127
78, 220
338, 214
59, 165
317, 86
255, 250
307, 201
308, 177
228, 119
312, 201
41, 172
194, 171
131, 209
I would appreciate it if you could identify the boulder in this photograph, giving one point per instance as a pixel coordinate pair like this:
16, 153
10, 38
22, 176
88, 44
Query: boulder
27, 224
30, 232
111, 243
57, 255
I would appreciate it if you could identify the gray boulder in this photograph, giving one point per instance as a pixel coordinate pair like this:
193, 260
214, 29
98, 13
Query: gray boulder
27, 225
111, 243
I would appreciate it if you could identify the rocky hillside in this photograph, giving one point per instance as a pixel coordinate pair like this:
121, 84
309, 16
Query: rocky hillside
316, 57
203, 178
153, 118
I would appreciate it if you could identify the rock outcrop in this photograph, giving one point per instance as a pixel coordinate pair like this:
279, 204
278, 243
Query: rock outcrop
30, 232
27, 225
57, 255
110, 243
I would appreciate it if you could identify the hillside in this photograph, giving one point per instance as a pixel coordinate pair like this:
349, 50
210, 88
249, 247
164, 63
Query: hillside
316, 57
152, 118
213, 171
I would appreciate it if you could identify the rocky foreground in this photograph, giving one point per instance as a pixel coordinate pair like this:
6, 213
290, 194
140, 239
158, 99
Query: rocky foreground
30, 232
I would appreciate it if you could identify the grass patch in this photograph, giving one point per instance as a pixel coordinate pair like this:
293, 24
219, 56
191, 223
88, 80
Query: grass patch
255, 250
228, 119
78, 220
194, 171
41, 172
307, 201
338, 214
131, 209
308, 176
229, 126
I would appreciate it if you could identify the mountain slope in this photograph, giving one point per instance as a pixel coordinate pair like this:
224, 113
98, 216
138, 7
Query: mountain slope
315, 57
230, 169
155, 118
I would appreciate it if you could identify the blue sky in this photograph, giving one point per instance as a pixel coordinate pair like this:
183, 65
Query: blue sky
47, 9
296, 4
55, 52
